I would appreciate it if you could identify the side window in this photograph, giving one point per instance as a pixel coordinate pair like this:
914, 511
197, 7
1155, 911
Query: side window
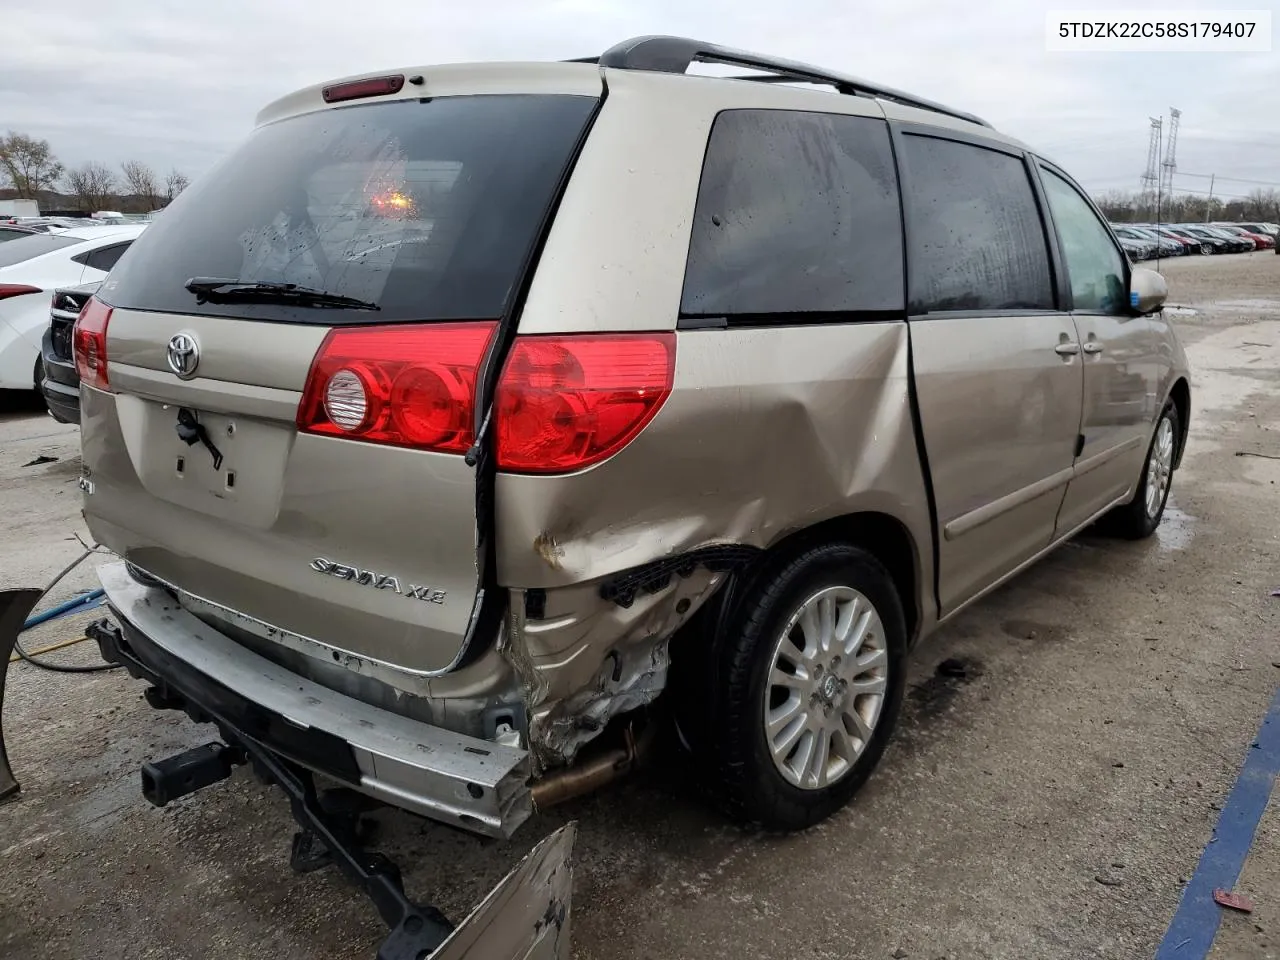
1095, 266
977, 241
105, 258
796, 213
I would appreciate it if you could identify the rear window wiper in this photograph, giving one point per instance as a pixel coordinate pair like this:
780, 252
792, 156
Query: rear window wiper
222, 290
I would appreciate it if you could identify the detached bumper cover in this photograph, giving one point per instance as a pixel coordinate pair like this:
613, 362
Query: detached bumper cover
473, 784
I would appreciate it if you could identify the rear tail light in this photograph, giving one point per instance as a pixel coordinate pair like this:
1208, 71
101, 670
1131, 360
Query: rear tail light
566, 402
405, 386
8, 290
89, 342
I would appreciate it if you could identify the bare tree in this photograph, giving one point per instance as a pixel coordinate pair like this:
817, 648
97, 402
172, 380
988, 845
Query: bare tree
1116, 205
93, 185
29, 164
140, 181
174, 184
1264, 204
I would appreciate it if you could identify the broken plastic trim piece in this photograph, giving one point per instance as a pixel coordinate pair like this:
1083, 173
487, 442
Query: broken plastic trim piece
623, 588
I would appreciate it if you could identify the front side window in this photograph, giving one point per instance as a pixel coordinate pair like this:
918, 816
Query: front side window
1094, 265
797, 213
977, 241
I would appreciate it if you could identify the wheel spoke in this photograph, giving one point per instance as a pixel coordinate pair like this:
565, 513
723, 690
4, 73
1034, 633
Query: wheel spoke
804, 753
846, 626
812, 632
783, 715
861, 628
842, 744
817, 775
869, 660
781, 745
867, 684
826, 621
798, 681
861, 729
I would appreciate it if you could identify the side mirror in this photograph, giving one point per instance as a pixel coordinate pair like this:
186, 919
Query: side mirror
1147, 291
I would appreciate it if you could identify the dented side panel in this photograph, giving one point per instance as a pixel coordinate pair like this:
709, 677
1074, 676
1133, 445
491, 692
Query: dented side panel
766, 432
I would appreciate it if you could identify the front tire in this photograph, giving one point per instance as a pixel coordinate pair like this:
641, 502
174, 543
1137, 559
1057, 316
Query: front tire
1138, 518
809, 690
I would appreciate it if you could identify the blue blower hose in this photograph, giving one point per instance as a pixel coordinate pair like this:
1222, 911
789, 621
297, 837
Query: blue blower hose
63, 608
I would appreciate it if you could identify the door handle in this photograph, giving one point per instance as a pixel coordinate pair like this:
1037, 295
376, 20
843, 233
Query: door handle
1093, 347
1068, 348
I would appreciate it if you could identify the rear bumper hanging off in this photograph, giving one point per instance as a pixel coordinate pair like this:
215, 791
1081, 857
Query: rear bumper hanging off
527, 914
476, 785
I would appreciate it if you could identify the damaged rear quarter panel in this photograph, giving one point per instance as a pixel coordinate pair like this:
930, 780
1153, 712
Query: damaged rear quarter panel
767, 431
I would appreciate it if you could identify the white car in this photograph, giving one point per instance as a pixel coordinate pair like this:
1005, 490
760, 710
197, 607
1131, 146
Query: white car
30, 269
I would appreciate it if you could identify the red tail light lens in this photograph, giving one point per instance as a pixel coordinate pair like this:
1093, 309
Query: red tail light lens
8, 290
405, 386
564, 403
89, 343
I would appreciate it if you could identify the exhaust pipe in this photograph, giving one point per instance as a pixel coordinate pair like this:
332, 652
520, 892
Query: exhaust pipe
574, 782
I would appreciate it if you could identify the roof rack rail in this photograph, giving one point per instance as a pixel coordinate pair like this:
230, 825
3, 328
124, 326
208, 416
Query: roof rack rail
675, 55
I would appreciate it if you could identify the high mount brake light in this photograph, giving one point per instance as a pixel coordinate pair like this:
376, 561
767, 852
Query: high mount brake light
359, 89
400, 385
566, 402
89, 343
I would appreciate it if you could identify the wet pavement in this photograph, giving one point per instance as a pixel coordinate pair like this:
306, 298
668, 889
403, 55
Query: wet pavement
1065, 752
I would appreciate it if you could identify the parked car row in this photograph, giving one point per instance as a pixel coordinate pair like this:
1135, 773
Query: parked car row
1146, 241
32, 267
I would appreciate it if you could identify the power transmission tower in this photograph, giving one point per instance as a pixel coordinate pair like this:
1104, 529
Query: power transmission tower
1170, 165
1151, 178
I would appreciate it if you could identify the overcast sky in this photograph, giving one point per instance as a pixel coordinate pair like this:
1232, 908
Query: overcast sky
177, 84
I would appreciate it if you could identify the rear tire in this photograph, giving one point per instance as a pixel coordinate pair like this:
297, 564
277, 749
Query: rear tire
804, 689
1138, 518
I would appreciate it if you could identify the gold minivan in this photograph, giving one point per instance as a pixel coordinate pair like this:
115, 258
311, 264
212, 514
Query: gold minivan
465, 410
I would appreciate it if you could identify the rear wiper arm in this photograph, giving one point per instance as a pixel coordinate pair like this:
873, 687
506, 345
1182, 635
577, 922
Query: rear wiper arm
220, 289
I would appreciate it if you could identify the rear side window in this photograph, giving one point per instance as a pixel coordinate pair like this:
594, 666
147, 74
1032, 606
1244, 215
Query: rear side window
428, 209
34, 245
976, 241
796, 213
105, 258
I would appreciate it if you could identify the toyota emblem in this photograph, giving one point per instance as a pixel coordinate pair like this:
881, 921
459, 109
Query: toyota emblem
184, 355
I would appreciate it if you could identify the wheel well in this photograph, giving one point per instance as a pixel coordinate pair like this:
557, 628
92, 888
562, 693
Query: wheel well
1181, 397
882, 536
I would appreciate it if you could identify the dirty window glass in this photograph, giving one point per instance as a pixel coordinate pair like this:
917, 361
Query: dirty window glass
976, 242
1093, 262
796, 213
427, 208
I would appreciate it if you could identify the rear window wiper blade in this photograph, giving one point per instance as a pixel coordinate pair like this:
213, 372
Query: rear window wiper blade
220, 289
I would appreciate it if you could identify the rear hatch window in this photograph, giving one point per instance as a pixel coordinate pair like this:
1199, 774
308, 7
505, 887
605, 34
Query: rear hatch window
425, 208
